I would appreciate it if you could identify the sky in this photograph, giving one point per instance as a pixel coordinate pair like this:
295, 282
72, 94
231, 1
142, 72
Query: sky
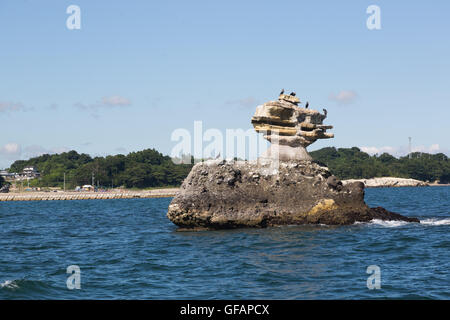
136, 71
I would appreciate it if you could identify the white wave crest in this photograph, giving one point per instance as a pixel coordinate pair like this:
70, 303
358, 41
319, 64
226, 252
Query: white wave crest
9, 284
393, 224
389, 224
436, 222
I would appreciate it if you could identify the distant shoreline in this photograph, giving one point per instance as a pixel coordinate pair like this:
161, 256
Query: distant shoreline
388, 182
74, 195
427, 185
135, 194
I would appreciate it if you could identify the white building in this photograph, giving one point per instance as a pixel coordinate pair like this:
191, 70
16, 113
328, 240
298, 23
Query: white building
5, 174
30, 172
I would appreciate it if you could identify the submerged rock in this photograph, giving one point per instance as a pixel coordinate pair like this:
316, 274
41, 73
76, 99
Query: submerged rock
230, 194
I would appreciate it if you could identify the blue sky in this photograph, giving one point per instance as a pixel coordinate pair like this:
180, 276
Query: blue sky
137, 70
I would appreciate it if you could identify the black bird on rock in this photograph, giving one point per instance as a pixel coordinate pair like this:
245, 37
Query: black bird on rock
282, 91
292, 94
325, 112
306, 105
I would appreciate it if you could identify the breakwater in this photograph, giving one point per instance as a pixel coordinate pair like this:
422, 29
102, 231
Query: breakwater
71, 195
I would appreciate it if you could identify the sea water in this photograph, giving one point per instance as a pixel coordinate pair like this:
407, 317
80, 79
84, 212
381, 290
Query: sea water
128, 249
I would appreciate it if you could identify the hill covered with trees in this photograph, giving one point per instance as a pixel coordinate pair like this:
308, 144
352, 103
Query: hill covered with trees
352, 163
150, 168
143, 169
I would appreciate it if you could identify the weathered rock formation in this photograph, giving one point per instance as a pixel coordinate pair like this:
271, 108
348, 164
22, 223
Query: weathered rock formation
384, 182
283, 187
228, 194
290, 128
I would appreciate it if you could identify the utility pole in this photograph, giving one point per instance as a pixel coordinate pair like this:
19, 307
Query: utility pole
410, 150
64, 181
93, 183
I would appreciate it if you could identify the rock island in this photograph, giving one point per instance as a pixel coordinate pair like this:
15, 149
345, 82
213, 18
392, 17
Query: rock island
283, 187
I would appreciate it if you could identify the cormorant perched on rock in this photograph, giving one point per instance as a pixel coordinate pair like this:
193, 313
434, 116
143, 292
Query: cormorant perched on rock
292, 94
282, 92
306, 105
325, 112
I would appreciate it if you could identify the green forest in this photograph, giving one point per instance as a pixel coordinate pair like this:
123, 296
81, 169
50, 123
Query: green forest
352, 163
143, 169
149, 168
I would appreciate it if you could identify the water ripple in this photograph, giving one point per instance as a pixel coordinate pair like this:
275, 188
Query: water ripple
127, 248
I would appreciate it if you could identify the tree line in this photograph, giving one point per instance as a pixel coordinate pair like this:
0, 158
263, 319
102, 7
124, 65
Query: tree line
142, 169
352, 163
149, 168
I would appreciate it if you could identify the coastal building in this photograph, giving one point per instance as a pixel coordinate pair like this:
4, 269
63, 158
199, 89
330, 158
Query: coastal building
5, 174
30, 172
87, 187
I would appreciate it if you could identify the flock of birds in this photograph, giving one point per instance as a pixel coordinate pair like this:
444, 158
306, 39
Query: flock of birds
307, 103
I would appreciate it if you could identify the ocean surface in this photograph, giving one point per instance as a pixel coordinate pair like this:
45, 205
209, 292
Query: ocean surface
128, 249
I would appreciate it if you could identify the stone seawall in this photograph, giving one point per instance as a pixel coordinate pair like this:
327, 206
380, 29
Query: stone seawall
40, 196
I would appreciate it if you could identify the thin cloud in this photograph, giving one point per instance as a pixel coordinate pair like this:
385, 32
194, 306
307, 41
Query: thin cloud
11, 149
404, 150
9, 153
120, 150
434, 148
249, 102
105, 102
116, 101
11, 107
37, 150
344, 97
380, 150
